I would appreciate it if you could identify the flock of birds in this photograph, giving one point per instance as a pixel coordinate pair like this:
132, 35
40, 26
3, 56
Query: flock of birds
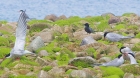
126, 52
18, 49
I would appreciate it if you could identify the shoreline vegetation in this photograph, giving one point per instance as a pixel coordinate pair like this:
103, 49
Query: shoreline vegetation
56, 41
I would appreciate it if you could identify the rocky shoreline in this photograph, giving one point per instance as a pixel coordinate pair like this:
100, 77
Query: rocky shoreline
56, 41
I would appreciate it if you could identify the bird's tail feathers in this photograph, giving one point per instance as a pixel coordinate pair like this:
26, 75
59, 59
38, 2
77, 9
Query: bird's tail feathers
126, 37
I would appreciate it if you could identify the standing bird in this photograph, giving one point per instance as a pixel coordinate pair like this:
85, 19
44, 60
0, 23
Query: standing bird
128, 54
88, 29
114, 37
18, 49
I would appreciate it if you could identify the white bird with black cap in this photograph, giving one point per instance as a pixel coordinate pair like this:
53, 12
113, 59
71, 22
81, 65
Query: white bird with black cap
18, 49
114, 37
128, 54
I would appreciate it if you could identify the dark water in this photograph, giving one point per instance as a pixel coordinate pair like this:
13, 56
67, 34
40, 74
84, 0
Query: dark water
40, 8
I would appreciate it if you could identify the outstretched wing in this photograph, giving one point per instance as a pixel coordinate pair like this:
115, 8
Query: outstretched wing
21, 32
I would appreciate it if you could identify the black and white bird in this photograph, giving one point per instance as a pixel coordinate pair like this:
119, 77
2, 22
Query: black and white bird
128, 54
114, 37
88, 29
116, 62
18, 49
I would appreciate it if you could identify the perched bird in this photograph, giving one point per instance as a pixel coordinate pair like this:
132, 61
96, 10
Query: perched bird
114, 37
88, 29
128, 54
116, 62
18, 49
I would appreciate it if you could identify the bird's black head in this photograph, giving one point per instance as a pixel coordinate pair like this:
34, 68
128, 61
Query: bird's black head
119, 55
7, 55
86, 24
105, 34
21, 11
121, 49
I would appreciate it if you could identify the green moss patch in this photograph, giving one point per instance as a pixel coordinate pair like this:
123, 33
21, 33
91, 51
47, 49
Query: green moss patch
4, 41
136, 47
119, 26
63, 59
91, 52
131, 69
108, 71
112, 76
103, 25
47, 68
4, 51
69, 21
21, 76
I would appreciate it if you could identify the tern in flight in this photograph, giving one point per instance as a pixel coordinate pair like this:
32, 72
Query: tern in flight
18, 49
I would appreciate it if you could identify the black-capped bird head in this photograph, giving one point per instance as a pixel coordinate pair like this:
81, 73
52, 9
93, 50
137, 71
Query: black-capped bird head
121, 49
105, 33
86, 24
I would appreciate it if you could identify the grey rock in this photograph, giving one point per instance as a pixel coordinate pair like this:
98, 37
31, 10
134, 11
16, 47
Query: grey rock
104, 59
128, 75
79, 74
87, 59
36, 44
46, 36
114, 20
44, 74
56, 71
135, 40
81, 54
43, 53
87, 40
137, 55
42, 61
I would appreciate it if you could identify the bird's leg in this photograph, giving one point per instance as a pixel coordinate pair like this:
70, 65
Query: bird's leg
18, 58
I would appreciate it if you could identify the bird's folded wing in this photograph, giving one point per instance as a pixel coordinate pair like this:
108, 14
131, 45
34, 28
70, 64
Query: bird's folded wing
115, 62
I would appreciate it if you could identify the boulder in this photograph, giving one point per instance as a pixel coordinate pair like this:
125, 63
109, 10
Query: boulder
135, 40
114, 20
87, 60
36, 44
79, 74
62, 17
81, 54
128, 75
56, 71
42, 61
137, 55
87, 40
44, 74
108, 14
43, 53
45, 36
51, 17
104, 59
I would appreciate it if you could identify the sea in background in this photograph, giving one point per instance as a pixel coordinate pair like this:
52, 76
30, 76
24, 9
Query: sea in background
40, 8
